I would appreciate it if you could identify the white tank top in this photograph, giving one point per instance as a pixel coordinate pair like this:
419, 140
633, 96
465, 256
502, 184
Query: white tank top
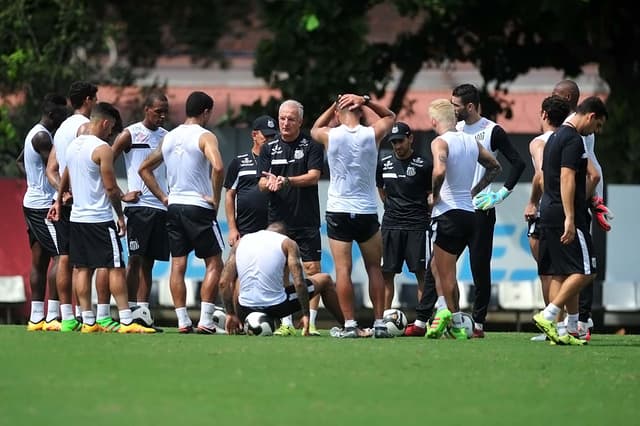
40, 193
260, 262
143, 142
90, 201
455, 192
352, 155
188, 170
67, 132
481, 130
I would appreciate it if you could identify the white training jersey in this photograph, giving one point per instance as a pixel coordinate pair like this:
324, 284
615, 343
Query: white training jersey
455, 192
590, 147
188, 170
40, 193
67, 132
481, 131
143, 142
90, 201
260, 262
352, 155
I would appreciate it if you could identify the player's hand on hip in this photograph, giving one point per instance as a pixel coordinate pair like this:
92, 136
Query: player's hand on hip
132, 196
569, 233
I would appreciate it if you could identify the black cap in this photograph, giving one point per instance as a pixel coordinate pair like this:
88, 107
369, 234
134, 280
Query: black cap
399, 130
266, 124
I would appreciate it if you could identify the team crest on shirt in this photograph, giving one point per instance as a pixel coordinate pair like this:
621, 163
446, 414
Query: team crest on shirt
133, 245
298, 154
411, 171
479, 137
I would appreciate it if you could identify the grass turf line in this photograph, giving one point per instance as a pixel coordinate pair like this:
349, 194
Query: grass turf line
172, 379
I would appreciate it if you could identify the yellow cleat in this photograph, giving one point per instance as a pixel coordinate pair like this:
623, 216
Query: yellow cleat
35, 326
86, 328
53, 325
134, 327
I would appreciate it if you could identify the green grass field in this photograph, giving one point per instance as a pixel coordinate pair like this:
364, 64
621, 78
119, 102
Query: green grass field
172, 379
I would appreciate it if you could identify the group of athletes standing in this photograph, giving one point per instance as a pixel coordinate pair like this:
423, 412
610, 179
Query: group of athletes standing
175, 181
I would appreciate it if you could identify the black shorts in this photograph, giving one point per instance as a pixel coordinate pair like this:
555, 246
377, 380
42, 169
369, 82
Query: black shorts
350, 227
309, 242
147, 232
288, 307
95, 245
399, 246
41, 230
556, 258
193, 228
452, 231
63, 230
533, 231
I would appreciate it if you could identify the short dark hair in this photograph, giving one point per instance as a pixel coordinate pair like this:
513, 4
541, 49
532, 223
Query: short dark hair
557, 109
468, 93
53, 102
593, 104
155, 95
81, 90
197, 103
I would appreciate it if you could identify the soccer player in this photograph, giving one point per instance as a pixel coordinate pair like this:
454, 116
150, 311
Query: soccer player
260, 263
565, 250
455, 155
289, 168
553, 111
194, 176
146, 215
568, 89
352, 211
83, 96
37, 200
466, 101
94, 236
245, 205
404, 182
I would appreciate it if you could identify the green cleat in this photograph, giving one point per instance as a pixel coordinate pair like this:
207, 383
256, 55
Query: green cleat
285, 330
569, 340
313, 331
70, 325
439, 324
108, 325
458, 333
548, 327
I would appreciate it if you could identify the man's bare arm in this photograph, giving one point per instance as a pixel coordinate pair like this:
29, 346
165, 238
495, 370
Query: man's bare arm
147, 167
295, 269
489, 162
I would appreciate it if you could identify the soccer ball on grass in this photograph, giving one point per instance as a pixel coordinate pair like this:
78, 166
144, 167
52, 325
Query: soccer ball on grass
259, 324
395, 320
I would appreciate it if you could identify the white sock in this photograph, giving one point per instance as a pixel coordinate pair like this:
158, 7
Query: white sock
66, 311
313, 314
420, 324
572, 323
350, 323
456, 319
441, 303
88, 317
479, 326
206, 313
125, 316
37, 311
52, 309
288, 320
78, 311
132, 304
562, 329
183, 317
103, 310
143, 304
551, 312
